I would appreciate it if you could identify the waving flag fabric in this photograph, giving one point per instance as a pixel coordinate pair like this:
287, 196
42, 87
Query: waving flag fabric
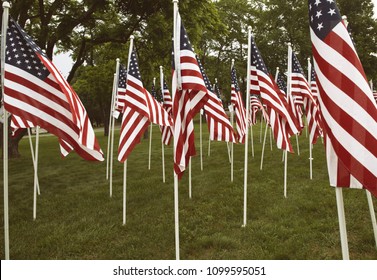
190, 96
121, 93
167, 104
346, 101
36, 93
238, 107
140, 109
218, 123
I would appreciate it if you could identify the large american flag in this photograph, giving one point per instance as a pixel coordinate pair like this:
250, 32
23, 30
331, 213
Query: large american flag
166, 131
141, 108
238, 106
281, 117
346, 101
37, 94
218, 123
121, 93
190, 96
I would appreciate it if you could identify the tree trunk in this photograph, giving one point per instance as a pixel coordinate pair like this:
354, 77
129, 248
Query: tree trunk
13, 142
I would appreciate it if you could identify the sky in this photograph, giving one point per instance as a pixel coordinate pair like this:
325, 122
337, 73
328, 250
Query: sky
64, 62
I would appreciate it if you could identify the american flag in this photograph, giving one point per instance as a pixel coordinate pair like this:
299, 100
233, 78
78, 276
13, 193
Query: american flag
190, 96
36, 92
281, 117
281, 83
313, 112
238, 107
140, 109
255, 106
121, 93
166, 131
218, 123
346, 101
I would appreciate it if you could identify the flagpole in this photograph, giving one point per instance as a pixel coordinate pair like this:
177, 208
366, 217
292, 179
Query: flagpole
252, 140
298, 145
289, 89
261, 128
372, 215
342, 223
109, 130
310, 142
4, 27
150, 136
247, 128
190, 186
231, 108
162, 143
115, 90
177, 71
201, 140
263, 146
36, 172
32, 154
269, 131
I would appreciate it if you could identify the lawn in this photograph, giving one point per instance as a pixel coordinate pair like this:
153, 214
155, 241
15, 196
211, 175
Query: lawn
76, 218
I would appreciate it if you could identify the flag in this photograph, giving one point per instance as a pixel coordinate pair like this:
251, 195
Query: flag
121, 92
218, 123
190, 96
140, 109
313, 112
346, 101
166, 131
36, 92
238, 107
281, 117
255, 106
282, 84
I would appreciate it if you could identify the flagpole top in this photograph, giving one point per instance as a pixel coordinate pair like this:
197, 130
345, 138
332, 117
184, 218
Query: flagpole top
161, 67
175, 1
249, 28
132, 37
6, 4
277, 69
232, 60
289, 44
118, 60
216, 80
344, 17
309, 59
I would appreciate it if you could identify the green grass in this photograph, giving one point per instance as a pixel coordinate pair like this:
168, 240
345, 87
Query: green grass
77, 219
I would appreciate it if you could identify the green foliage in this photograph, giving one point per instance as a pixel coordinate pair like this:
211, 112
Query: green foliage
76, 219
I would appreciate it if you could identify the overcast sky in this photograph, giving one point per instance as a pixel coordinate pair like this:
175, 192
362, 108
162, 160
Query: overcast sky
64, 62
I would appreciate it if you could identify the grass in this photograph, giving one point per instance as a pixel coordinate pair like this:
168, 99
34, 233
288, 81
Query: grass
77, 219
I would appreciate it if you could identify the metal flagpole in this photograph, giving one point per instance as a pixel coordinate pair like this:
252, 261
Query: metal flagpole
115, 88
190, 185
289, 89
269, 130
263, 146
298, 145
247, 127
32, 155
252, 140
4, 27
162, 143
201, 139
310, 142
150, 136
36, 172
177, 72
231, 109
342, 223
261, 128
111, 119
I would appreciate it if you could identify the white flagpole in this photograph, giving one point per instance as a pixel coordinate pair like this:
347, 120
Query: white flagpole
310, 142
342, 223
372, 215
201, 139
115, 89
162, 143
32, 155
209, 145
247, 127
190, 185
263, 146
4, 28
298, 145
177, 71
36, 172
124, 192
150, 136
231, 108
125, 162
269, 130
289, 89
252, 140
109, 132
261, 128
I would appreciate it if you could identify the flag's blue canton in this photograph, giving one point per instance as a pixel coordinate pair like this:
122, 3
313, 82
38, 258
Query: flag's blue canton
154, 92
256, 58
296, 66
313, 75
122, 79
165, 86
233, 76
205, 78
281, 82
134, 67
323, 16
21, 52
185, 41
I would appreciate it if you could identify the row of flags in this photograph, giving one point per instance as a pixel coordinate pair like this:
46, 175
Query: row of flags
37, 94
